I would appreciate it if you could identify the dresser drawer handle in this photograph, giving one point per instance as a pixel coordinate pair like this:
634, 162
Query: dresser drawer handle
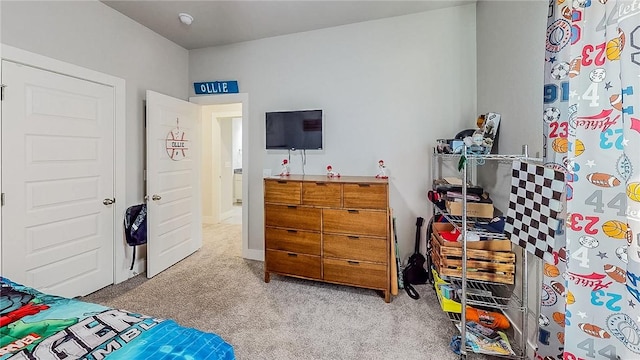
321, 184
292, 207
364, 185
292, 231
282, 181
351, 237
351, 262
292, 254
353, 211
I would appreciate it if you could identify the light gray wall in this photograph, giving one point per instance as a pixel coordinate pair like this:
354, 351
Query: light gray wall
511, 40
94, 36
388, 89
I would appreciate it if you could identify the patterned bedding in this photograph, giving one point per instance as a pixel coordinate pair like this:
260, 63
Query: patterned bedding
34, 325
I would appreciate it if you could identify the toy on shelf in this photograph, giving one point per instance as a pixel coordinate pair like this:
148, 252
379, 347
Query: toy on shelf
285, 168
331, 173
490, 319
382, 171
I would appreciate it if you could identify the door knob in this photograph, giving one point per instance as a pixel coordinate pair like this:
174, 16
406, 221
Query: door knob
156, 197
108, 201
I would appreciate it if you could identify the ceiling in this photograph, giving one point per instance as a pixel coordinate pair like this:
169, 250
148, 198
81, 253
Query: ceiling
219, 22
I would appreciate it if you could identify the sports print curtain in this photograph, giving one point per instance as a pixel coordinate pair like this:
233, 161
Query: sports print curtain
590, 306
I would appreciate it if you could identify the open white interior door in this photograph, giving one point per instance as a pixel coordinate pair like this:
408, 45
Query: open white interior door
174, 214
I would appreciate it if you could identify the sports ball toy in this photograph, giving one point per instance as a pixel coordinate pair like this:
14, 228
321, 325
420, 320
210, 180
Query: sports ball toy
489, 319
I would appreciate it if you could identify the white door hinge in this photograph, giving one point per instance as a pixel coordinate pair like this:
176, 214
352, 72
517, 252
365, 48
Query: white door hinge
2, 86
2, 199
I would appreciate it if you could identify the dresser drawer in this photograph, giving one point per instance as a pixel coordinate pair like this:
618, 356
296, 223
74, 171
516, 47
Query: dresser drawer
321, 194
282, 191
293, 217
356, 248
292, 240
365, 196
356, 273
355, 222
290, 263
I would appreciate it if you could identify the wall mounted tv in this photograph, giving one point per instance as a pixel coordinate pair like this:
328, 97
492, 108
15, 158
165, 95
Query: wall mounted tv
294, 130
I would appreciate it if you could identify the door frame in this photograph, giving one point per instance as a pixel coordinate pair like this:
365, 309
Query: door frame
243, 98
24, 57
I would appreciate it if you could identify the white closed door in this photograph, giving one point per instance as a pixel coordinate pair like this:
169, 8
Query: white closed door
174, 210
58, 180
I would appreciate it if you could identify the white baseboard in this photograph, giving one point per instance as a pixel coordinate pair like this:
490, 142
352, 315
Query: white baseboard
227, 214
530, 341
139, 267
253, 254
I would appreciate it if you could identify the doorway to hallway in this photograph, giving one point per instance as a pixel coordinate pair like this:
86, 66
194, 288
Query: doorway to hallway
214, 175
222, 185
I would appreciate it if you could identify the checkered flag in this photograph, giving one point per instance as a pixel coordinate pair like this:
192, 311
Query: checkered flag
534, 208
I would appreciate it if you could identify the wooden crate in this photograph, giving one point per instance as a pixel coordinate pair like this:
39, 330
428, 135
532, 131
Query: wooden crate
491, 245
494, 266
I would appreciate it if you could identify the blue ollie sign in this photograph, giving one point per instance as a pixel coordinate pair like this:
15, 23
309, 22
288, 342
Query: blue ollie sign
216, 87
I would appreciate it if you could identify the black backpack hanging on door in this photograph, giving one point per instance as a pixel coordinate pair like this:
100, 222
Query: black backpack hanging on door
135, 227
415, 272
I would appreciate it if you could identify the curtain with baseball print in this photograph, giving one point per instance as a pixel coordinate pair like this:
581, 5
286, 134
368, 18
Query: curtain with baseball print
590, 306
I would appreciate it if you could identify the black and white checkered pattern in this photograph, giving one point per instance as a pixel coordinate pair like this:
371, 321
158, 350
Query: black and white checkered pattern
534, 208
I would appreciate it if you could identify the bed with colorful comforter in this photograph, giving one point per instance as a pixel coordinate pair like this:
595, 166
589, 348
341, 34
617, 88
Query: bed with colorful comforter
37, 326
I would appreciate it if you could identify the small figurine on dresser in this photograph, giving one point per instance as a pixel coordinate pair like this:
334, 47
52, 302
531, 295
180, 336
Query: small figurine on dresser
285, 168
382, 171
331, 173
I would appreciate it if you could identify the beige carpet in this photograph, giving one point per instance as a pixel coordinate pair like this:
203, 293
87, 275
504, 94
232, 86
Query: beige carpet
215, 290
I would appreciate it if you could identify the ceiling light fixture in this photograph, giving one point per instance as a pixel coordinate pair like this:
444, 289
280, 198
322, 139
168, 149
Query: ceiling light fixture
185, 18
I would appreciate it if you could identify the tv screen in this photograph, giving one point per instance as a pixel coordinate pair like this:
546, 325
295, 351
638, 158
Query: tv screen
289, 130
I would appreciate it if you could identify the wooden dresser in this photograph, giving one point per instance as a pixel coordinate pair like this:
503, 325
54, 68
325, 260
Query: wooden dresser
328, 229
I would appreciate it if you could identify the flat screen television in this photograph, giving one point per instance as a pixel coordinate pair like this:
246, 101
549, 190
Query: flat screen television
294, 130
